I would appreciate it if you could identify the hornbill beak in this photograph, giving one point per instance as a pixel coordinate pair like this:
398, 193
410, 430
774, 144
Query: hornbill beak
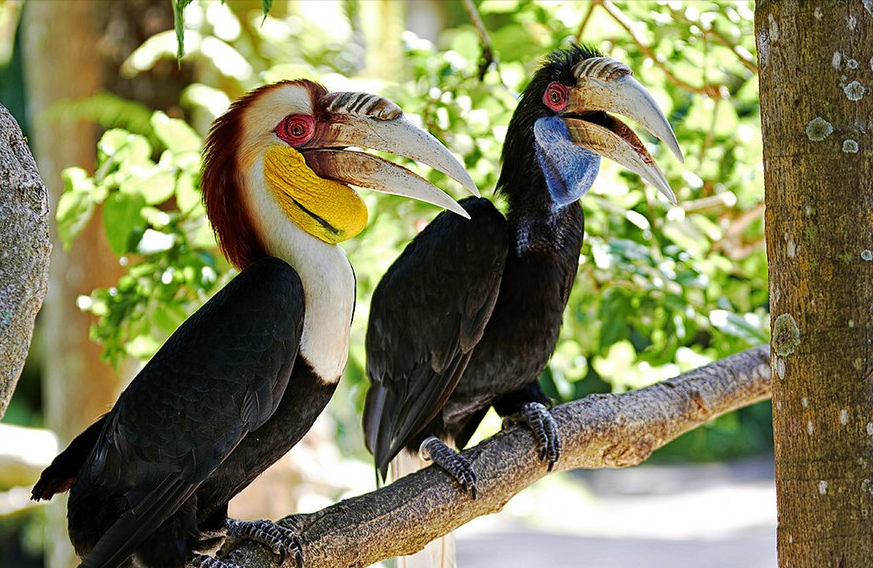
369, 121
606, 85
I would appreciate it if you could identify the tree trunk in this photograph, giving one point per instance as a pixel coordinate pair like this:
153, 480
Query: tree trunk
815, 61
74, 50
61, 62
24, 252
382, 23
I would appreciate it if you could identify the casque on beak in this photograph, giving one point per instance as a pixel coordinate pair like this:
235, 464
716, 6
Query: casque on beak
369, 121
605, 85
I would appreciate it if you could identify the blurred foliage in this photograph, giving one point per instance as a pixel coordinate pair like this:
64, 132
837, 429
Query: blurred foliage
660, 290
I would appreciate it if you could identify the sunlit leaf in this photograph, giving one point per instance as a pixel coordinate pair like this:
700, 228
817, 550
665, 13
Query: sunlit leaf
175, 135
187, 194
122, 220
75, 209
179, 23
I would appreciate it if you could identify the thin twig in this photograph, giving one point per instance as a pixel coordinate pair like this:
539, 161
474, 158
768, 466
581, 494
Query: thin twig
709, 89
712, 31
585, 21
484, 38
747, 63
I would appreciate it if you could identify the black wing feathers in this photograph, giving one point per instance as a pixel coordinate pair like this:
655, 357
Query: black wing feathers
59, 475
427, 314
220, 376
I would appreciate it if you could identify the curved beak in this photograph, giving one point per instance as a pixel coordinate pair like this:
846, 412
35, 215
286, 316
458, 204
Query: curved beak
604, 85
369, 121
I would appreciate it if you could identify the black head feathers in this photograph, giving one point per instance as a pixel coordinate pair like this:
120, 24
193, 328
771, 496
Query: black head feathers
518, 148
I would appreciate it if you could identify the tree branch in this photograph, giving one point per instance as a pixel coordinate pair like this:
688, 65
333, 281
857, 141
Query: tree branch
484, 39
597, 432
24, 252
585, 20
709, 89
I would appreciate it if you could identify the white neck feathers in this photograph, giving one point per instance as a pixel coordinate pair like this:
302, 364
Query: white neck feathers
327, 276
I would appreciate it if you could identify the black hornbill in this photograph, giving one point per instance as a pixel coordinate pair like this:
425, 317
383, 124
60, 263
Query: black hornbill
243, 379
438, 360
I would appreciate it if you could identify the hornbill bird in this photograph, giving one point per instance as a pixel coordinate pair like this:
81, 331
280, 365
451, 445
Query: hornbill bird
437, 360
243, 379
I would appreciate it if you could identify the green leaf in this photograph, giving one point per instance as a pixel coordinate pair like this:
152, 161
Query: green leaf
156, 187
77, 179
155, 217
75, 209
499, 6
266, 5
187, 194
124, 148
143, 347
737, 326
122, 219
179, 20
614, 314
169, 318
77, 204
203, 237
173, 133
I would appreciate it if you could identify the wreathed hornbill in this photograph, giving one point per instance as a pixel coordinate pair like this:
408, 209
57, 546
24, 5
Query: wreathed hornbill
438, 360
243, 379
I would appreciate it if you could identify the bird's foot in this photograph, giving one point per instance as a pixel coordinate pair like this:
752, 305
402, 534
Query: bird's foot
456, 465
204, 561
545, 430
282, 541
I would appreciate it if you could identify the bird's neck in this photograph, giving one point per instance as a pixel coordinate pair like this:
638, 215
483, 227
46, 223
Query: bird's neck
546, 230
537, 223
327, 277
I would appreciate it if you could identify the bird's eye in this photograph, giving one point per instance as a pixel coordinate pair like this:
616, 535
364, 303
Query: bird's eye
555, 96
296, 129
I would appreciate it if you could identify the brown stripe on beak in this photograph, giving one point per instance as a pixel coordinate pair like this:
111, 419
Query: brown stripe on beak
372, 172
604, 84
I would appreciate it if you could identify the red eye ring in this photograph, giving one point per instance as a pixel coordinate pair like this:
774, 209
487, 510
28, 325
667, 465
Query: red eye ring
556, 96
296, 129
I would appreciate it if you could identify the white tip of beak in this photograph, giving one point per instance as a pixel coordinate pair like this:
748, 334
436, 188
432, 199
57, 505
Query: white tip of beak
626, 150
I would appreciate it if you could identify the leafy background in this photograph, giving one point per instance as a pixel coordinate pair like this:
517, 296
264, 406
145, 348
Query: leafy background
660, 290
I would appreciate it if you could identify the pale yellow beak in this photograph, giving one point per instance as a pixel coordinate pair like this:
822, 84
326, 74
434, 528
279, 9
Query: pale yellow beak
606, 85
369, 121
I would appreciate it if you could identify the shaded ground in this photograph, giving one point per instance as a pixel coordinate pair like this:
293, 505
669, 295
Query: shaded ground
717, 516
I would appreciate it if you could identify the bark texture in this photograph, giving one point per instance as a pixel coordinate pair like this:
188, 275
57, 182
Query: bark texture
61, 63
60, 48
599, 431
73, 50
24, 252
816, 79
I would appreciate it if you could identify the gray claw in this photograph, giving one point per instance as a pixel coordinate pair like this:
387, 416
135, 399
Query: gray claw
281, 540
545, 431
203, 561
456, 465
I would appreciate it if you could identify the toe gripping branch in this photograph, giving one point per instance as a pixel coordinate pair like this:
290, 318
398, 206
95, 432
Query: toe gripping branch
203, 561
545, 430
280, 540
456, 465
